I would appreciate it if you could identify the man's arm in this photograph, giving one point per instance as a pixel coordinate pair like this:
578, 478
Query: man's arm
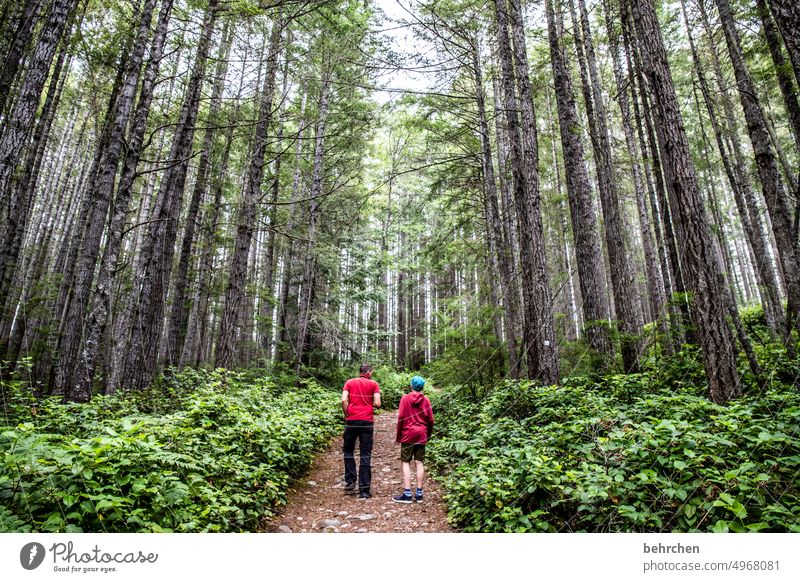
376, 400
345, 401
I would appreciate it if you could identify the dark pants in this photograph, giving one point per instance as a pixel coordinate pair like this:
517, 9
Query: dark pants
362, 430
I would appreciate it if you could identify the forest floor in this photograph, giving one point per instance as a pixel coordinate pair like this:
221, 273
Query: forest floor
318, 504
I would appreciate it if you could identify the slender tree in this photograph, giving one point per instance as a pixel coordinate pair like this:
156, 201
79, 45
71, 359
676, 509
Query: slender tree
772, 185
588, 254
701, 265
538, 333
226, 348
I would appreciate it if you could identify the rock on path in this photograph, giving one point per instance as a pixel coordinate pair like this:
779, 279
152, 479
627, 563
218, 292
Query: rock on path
319, 504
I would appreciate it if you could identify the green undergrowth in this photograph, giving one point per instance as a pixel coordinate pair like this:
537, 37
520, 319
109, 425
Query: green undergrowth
393, 385
618, 453
200, 451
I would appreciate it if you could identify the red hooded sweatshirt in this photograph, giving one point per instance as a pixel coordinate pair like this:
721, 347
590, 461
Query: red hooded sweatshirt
414, 419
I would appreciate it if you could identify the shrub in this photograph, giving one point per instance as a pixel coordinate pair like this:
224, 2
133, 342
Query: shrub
621, 453
202, 451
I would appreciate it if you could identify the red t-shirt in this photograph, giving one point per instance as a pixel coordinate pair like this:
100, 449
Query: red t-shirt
361, 391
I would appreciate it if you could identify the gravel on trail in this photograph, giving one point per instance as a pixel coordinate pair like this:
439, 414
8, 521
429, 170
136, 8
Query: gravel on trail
318, 503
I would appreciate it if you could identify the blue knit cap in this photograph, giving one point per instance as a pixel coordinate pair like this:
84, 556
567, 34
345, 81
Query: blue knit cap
417, 382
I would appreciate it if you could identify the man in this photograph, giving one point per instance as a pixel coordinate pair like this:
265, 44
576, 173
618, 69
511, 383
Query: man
360, 397
414, 429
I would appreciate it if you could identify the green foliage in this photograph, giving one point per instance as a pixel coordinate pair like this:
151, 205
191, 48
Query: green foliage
622, 453
201, 451
470, 355
393, 385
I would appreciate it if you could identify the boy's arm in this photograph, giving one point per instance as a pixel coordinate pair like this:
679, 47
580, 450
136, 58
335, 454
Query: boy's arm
400, 419
429, 411
345, 401
376, 397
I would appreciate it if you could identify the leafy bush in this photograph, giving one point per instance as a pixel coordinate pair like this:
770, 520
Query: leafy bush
393, 385
623, 453
201, 451
469, 355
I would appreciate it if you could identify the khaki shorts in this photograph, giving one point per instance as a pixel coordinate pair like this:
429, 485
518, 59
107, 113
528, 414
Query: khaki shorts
410, 451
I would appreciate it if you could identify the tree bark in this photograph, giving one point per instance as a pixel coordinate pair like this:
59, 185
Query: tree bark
538, 332
499, 261
774, 193
144, 312
701, 265
234, 294
309, 263
584, 220
23, 196
626, 304
14, 57
179, 312
98, 315
70, 359
787, 17
740, 184
655, 284
267, 304
20, 119
785, 82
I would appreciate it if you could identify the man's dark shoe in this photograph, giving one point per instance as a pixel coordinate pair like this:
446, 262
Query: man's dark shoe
364, 495
349, 489
418, 498
403, 498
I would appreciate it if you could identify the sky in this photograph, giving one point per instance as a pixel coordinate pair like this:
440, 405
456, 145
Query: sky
402, 41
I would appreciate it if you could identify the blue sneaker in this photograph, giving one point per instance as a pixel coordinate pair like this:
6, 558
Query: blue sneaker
403, 498
418, 497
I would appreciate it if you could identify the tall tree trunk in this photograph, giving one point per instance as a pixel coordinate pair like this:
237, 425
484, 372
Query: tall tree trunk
20, 119
234, 294
23, 31
701, 265
740, 184
401, 349
499, 261
771, 183
672, 266
538, 333
788, 89
267, 304
315, 194
179, 312
144, 313
510, 237
787, 17
24, 193
69, 359
723, 252
99, 313
655, 284
288, 299
584, 220
626, 304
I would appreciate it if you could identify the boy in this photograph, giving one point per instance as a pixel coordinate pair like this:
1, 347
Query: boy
414, 428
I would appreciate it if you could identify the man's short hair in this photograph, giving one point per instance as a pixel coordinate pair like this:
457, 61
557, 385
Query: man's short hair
366, 368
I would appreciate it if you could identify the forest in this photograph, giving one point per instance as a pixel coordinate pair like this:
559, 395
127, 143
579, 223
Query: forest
580, 220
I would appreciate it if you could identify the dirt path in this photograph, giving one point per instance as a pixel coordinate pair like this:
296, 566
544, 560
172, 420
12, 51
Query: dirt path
320, 505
